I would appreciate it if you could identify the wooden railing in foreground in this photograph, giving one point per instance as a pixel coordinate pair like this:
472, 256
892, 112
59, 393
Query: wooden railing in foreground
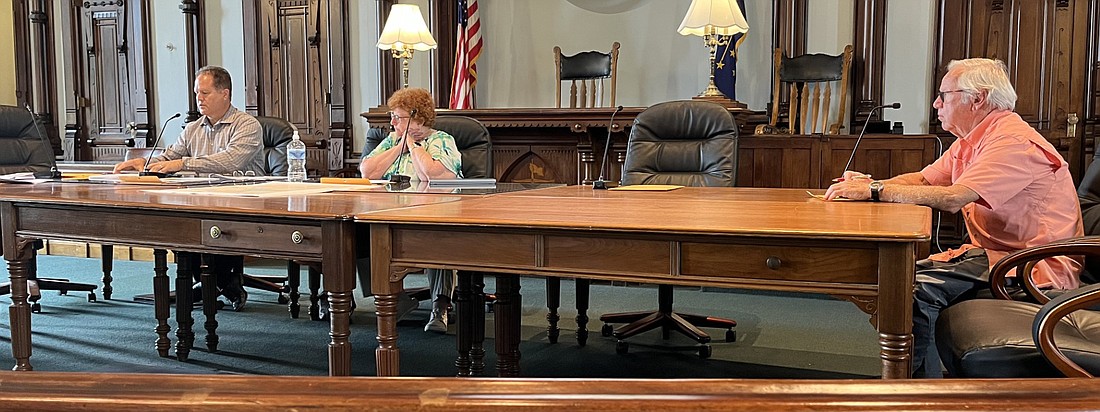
59, 391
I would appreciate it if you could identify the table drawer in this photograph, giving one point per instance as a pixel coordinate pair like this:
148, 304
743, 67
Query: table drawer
781, 262
262, 236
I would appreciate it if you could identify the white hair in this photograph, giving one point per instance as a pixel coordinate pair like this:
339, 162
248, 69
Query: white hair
988, 75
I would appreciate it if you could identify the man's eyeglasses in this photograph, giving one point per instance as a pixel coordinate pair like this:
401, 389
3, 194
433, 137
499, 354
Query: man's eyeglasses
943, 95
395, 116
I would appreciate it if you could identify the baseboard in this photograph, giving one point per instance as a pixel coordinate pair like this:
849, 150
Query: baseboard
93, 250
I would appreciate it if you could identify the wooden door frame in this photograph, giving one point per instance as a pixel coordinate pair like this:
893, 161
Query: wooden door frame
76, 105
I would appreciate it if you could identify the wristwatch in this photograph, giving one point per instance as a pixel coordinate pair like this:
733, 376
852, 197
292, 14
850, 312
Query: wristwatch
876, 190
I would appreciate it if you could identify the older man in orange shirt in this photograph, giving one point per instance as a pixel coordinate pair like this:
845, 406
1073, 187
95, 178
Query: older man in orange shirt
1013, 188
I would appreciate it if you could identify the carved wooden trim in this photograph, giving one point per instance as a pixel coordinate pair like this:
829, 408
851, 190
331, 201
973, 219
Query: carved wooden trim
35, 71
195, 24
867, 304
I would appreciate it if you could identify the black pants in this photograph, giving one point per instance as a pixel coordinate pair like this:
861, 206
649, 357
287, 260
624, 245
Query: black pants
226, 270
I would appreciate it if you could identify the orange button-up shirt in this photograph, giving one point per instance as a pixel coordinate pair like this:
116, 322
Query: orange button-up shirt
1026, 194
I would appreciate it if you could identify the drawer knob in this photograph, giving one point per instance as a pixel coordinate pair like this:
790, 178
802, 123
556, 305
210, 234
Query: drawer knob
215, 232
297, 237
773, 262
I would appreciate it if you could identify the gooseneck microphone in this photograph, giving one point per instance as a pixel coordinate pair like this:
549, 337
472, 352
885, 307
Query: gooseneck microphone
870, 114
53, 173
600, 183
396, 178
145, 170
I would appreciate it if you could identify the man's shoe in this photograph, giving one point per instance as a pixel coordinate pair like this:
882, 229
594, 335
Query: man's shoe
238, 304
438, 322
405, 305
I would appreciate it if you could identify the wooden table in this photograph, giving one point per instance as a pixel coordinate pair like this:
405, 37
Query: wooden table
273, 227
776, 239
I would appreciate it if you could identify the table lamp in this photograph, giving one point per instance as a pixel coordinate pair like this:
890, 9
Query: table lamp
403, 33
715, 21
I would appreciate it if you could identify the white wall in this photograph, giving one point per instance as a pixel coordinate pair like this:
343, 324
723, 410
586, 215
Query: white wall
909, 70
171, 82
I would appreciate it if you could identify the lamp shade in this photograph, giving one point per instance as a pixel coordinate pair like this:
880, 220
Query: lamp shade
405, 29
706, 17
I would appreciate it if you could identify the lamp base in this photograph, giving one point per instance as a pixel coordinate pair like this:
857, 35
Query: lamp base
722, 100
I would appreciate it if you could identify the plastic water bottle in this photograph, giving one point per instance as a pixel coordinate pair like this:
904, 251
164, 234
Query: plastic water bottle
296, 159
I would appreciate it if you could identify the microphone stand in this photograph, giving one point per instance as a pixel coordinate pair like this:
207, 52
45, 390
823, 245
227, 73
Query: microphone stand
600, 183
145, 170
402, 179
864, 130
53, 173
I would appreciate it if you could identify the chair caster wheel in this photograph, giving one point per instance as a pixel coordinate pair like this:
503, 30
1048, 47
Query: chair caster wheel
731, 335
283, 299
62, 292
621, 347
91, 297
36, 307
607, 330
704, 351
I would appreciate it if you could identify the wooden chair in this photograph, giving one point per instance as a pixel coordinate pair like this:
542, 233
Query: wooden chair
585, 73
809, 82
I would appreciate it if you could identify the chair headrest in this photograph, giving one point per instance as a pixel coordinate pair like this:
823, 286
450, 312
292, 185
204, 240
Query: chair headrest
472, 140
689, 143
16, 122
276, 131
683, 120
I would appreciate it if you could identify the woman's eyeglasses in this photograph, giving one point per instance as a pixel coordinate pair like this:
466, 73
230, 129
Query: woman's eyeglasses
395, 116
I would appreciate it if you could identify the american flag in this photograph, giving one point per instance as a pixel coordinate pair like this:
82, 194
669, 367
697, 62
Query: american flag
467, 51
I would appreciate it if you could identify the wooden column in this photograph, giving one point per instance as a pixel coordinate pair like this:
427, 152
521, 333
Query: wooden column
195, 25
35, 71
76, 137
444, 22
789, 26
869, 59
336, 53
389, 68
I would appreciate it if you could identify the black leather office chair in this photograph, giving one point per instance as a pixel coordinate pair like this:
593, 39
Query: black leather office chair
688, 143
23, 148
277, 133
585, 73
1002, 338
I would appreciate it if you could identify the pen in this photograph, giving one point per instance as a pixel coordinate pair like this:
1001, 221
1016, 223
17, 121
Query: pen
841, 179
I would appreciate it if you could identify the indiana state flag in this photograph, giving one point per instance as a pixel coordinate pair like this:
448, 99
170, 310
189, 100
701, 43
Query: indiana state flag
725, 63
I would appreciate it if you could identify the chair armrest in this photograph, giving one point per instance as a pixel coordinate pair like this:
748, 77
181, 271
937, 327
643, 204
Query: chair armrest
1027, 258
1042, 330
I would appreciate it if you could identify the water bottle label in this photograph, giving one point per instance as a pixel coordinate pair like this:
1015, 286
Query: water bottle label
296, 154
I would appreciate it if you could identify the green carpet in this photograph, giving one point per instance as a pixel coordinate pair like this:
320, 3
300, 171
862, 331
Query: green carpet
779, 335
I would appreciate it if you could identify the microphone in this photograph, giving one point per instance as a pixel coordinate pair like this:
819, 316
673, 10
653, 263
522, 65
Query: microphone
145, 171
53, 173
402, 179
600, 183
864, 130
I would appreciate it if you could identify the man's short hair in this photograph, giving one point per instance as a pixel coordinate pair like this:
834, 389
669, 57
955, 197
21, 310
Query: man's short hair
222, 79
987, 75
